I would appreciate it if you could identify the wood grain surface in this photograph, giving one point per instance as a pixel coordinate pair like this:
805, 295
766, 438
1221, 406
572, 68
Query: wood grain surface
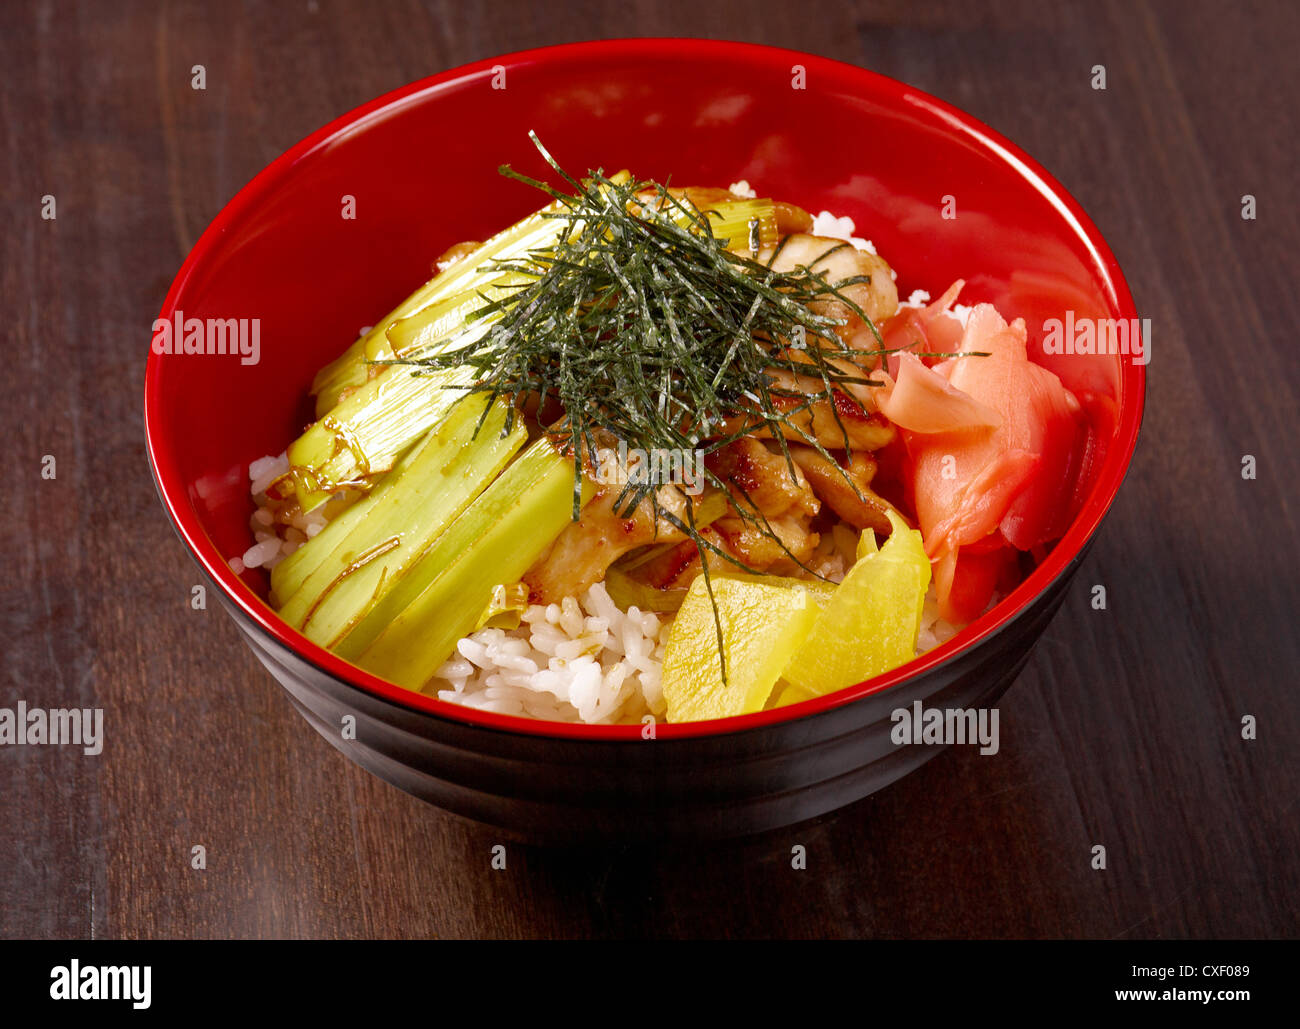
1124, 730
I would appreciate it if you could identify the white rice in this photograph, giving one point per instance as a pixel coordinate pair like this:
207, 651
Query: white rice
919, 298
279, 527
576, 661
833, 227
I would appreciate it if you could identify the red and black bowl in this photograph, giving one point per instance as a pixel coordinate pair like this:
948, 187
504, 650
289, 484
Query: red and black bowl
419, 168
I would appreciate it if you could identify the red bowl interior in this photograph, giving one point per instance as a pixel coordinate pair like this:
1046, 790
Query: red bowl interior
421, 164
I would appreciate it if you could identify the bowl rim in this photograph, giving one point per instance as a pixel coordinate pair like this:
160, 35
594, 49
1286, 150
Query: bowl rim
1059, 561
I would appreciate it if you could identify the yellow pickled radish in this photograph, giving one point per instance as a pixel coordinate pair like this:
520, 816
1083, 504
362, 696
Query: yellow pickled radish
871, 622
762, 626
788, 693
820, 590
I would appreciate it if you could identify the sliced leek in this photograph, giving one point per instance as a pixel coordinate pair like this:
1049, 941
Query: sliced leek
397, 524
414, 628
369, 430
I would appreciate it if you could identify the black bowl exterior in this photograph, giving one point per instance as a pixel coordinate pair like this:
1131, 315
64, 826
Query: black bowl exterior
557, 790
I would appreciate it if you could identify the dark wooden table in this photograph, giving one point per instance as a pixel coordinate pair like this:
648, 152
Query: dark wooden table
1124, 731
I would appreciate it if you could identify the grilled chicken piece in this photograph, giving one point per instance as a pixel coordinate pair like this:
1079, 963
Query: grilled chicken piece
785, 501
791, 218
764, 476
863, 428
794, 542
585, 548
745, 541
838, 261
827, 479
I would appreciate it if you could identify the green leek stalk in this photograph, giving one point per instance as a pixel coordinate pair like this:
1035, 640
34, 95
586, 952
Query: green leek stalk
354, 569
369, 430
288, 576
409, 634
